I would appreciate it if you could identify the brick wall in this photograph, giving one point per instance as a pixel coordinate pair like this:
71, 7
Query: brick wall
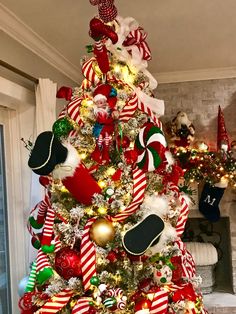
200, 100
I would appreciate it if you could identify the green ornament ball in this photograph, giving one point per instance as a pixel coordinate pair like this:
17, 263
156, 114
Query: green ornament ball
95, 281
62, 127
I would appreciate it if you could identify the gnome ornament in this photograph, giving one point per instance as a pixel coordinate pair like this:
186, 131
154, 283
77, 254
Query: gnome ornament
222, 135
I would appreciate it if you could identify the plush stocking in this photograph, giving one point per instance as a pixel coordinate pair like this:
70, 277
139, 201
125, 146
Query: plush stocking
209, 202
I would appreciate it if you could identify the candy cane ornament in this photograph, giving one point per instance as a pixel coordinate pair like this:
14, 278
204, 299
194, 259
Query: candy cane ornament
88, 256
139, 185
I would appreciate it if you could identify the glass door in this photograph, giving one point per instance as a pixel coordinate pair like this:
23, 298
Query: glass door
5, 303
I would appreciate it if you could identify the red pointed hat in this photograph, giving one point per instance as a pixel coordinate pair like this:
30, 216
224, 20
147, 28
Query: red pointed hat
222, 135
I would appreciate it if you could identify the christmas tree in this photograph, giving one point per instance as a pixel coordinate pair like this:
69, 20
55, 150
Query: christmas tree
108, 231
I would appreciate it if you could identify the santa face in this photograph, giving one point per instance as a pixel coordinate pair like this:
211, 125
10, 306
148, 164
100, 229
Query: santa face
101, 103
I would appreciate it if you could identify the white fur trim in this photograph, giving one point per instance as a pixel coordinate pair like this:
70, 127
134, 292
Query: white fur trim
168, 235
157, 205
99, 97
67, 168
169, 157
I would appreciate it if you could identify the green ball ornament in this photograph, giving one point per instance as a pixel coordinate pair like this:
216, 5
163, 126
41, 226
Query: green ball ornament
62, 127
95, 281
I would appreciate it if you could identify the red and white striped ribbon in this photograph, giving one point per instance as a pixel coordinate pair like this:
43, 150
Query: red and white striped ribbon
73, 111
137, 37
159, 302
82, 306
129, 109
89, 72
48, 227
140, 182
188, 264
144, 108
56, 303
87, 255
42, 261
184, 211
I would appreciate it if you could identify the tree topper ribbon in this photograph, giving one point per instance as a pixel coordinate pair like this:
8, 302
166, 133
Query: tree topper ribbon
137, 37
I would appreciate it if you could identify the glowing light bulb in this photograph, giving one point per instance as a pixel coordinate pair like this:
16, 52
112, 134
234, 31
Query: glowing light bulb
102, 184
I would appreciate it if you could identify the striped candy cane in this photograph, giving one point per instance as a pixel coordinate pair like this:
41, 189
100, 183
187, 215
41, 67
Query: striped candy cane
159, 303
32, 279
88, 256
56, 303
184, 211
82, 306
140, 182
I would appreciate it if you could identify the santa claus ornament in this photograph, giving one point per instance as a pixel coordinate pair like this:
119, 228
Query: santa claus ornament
104, 98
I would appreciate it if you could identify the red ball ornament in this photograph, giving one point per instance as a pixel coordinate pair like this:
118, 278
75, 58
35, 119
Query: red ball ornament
112, 257
67, 263
142, 307
26, 305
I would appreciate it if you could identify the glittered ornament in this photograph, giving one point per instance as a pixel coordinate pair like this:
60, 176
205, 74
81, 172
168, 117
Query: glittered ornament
62, 127
102, 232
112, 257
95, 281
67, 263
25, 303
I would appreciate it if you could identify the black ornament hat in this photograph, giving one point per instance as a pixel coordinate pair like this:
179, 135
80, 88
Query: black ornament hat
47, 153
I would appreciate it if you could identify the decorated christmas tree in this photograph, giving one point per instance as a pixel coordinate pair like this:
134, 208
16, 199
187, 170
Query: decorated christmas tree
108, 231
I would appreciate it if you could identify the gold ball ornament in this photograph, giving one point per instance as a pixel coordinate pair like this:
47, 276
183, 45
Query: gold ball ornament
102, 231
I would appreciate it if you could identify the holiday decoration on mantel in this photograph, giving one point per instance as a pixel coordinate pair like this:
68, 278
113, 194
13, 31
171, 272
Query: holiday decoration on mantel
108, 230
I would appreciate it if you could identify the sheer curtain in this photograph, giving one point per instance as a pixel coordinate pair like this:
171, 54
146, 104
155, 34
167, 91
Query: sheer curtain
45, 116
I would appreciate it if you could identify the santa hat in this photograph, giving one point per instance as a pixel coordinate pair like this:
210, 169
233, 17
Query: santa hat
222, 135
107, 91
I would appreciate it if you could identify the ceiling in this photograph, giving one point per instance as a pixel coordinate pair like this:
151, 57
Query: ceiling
183, 35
